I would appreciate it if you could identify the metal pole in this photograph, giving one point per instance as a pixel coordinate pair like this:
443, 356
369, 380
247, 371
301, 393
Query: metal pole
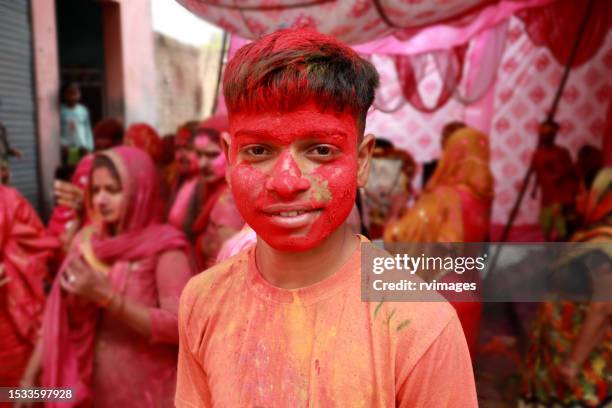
224, 42
551, 115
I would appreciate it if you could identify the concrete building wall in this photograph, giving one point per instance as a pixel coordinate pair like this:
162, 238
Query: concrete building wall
140, 91
186, 81
179, 89
46, 77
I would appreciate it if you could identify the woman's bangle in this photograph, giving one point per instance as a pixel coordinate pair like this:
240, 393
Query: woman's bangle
104, 303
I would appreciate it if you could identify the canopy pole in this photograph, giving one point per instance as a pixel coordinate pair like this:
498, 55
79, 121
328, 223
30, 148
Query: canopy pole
551, 116
224, 46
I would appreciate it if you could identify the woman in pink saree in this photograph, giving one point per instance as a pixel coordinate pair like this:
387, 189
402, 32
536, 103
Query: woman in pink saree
110, 326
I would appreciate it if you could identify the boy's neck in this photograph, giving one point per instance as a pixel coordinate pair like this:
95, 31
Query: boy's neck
291, 270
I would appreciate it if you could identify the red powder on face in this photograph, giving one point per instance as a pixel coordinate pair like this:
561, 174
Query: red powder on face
211, 160
294, 175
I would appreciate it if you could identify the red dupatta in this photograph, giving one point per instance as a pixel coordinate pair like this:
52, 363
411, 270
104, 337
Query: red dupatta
70, 322
25, 249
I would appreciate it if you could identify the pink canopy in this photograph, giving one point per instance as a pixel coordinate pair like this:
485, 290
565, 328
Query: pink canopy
352, 21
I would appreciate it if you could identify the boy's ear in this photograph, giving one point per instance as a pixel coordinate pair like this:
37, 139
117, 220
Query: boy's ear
225, 144
364, 158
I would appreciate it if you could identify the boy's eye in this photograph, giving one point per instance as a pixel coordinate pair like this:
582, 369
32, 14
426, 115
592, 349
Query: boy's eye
258, 151
322, 151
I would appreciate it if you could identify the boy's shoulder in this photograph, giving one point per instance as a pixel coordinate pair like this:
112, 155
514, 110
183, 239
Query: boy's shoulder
418, 317
216, 280
413, 327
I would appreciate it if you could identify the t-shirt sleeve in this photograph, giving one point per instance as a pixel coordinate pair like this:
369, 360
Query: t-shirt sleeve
192, 385
443, 376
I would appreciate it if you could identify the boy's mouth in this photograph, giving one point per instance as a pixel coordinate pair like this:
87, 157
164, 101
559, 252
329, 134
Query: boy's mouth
292, 216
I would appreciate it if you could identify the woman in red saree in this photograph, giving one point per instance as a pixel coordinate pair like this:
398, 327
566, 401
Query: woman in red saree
25, 249
455, 206
110, 326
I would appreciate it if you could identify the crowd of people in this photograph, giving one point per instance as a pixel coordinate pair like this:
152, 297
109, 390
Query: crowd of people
251, 221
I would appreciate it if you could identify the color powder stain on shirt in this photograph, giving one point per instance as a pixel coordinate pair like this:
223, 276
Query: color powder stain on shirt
403, 324
299, 324
315, 347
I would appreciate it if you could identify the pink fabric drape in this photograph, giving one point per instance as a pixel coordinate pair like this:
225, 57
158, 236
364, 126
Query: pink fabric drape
485, 53
69, 326
411, 69
466, 72
449, 34
556, 28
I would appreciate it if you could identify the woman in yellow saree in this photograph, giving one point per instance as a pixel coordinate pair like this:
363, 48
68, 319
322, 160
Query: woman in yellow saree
455, 206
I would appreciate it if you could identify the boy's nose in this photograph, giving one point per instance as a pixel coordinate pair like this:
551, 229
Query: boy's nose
287, 180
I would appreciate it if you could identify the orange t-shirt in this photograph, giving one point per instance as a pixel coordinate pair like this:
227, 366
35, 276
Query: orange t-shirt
246, 343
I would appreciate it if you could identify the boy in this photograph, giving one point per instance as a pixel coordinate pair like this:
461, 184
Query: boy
282, 324
75, 125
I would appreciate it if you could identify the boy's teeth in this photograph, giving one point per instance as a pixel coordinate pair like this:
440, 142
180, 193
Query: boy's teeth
291, 213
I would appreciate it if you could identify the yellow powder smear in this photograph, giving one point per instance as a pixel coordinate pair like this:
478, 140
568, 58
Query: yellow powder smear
320, 190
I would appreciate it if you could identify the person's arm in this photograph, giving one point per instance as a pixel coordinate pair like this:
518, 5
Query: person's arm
32, 370
597, 322
89, 143
156, 324
80, 279
593, 331
173, 272
442, 376
64, 128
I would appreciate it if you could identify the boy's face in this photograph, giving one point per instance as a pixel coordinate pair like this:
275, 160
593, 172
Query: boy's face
294, 175
73, 96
